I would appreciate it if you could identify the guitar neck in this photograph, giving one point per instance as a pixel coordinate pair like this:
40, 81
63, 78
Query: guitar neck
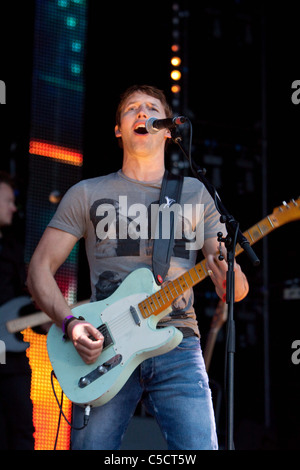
32, 320
162, 299
28, 321
258, 231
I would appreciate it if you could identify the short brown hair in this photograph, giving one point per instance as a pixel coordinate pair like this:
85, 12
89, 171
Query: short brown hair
148, 90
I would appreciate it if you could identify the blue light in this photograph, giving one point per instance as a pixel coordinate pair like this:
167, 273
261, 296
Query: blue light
63, 3
76, 46
76, 69
71, 21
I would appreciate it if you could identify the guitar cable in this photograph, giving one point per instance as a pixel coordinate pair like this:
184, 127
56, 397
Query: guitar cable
87, 411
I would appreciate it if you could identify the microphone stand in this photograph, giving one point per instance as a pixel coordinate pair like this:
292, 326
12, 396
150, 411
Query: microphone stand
234, 236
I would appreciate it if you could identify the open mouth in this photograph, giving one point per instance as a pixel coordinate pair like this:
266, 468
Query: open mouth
141, 129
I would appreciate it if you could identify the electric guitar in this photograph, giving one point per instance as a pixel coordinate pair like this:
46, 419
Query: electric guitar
11, 322
8, 312
127, 320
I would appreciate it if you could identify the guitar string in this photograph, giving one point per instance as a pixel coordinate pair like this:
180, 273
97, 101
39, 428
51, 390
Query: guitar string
125, 318
172, 288
249, 235
149, 304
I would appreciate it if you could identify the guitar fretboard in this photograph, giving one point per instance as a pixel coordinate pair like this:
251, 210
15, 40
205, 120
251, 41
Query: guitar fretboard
258, 231
162, 299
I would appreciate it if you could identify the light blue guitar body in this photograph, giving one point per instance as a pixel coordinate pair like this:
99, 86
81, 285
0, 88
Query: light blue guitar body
130, 338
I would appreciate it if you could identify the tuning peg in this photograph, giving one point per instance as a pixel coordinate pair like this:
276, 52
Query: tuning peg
285, 204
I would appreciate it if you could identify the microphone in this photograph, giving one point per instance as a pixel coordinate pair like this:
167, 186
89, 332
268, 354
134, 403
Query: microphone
154, 125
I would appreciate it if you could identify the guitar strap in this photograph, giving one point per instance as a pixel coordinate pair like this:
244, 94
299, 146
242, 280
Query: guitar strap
162, 247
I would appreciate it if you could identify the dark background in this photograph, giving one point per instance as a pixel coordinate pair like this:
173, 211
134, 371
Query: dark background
240, 62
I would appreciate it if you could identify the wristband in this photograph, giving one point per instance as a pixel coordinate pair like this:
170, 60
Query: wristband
66, 321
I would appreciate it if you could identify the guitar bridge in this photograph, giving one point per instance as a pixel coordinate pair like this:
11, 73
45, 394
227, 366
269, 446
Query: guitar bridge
99, 371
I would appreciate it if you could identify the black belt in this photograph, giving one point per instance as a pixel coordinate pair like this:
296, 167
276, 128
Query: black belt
185, 330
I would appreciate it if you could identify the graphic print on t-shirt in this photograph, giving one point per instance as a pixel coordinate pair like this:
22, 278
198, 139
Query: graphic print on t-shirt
119, 229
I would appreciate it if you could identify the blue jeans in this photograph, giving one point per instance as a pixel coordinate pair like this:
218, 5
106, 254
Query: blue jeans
175, 390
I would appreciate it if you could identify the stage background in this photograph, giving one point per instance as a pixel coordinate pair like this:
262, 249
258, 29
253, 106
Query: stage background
239, 60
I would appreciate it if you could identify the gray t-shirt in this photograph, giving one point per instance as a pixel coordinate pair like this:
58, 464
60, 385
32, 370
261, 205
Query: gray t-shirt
117, 217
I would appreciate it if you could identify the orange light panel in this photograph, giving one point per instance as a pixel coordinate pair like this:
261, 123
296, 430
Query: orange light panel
63, 154
45, 408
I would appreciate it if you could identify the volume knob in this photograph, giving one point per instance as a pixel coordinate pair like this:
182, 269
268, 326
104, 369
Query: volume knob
83, 382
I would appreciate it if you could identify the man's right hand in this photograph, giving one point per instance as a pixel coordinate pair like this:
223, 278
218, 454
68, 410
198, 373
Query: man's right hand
80, 333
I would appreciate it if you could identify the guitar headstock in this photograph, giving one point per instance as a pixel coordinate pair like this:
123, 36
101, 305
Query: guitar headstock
287, 212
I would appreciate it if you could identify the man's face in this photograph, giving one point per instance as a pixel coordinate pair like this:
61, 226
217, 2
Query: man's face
7, 204
136, 110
